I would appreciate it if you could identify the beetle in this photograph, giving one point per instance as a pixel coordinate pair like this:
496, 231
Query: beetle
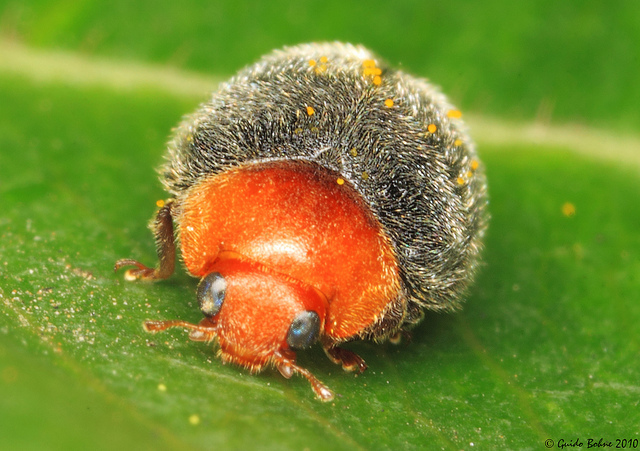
319, 195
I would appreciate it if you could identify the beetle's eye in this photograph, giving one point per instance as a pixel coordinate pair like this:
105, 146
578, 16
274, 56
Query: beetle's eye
304, 330
211, 292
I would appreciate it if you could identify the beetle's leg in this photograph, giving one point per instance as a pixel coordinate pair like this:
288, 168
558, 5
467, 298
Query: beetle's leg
399, 336
166, 247
287, 367
349, 360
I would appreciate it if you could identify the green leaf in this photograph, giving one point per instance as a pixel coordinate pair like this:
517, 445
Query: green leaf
546, 347
545, 59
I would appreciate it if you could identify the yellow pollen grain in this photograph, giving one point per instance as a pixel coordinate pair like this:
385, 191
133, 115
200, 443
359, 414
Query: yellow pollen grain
354, 152
160, 203
321, 68
474, 165
458, 142
297, 131
310, 111
312, 63
568, 209
194, 419
372, 71
460, 181
432, 128
454, 114
323, 59
365, 175
388, 103
469, 174
314, 129
368, 63
377, 80
340, 181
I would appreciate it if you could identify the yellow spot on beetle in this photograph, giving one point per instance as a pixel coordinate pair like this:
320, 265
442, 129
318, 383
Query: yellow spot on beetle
568, 209
458, 142
310, 111
432, 128
340, 181
160, 203
370, 70
455, 114
388, 103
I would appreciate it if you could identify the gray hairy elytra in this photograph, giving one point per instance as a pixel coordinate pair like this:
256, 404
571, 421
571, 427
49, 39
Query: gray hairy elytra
394, 137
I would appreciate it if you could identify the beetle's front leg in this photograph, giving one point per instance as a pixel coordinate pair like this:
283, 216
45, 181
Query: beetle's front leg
165, 244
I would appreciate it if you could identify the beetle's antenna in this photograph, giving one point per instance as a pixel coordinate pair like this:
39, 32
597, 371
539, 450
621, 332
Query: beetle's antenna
159, 326
198, 332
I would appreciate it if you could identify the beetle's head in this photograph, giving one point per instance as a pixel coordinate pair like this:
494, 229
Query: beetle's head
257, 313
258, 316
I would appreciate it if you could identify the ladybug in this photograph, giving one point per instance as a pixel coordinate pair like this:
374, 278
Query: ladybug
319, 195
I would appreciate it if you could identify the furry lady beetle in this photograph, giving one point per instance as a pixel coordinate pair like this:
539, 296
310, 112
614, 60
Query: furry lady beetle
319, 196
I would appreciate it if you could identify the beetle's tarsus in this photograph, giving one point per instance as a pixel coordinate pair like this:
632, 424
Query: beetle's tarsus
165, 243
399, 336
349, 360
140, 272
